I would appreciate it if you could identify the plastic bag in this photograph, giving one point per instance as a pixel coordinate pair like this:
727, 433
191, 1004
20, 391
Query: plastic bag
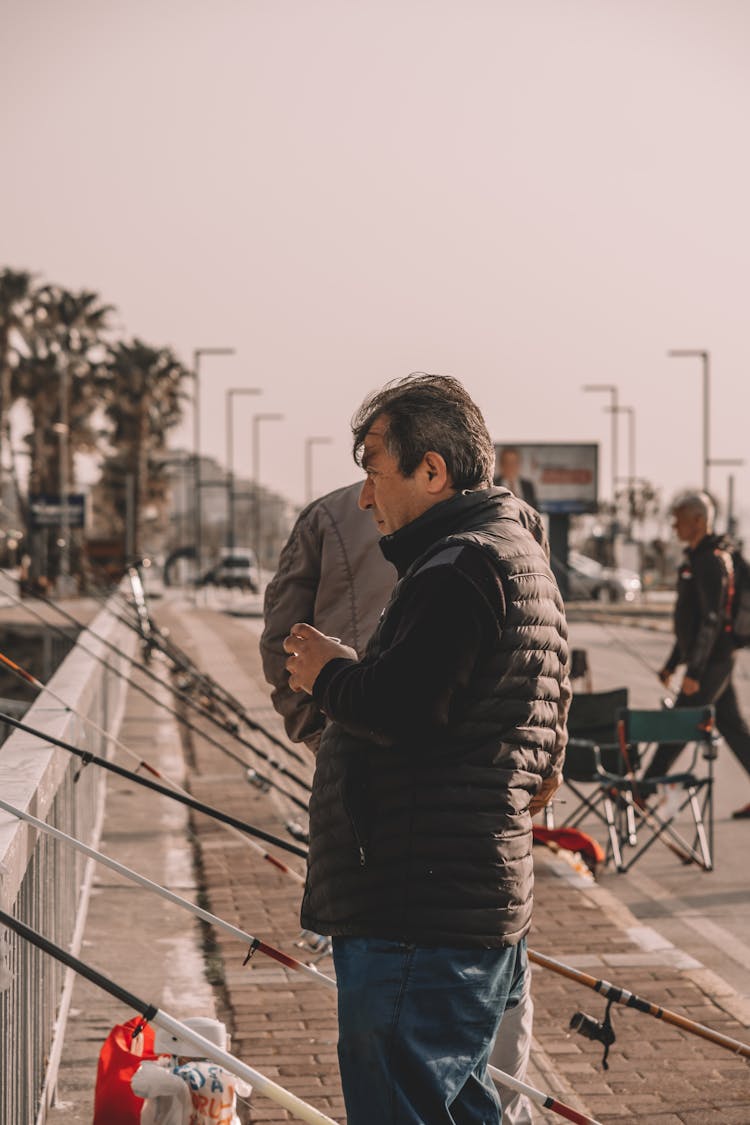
120, 1056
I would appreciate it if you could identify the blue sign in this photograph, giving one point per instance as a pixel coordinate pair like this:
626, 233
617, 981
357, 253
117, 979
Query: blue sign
48, 511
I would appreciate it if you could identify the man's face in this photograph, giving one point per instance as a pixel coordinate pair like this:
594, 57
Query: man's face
690, 527
509, 465
393, 499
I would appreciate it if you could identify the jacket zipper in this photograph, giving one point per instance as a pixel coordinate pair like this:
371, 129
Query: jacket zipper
360, 845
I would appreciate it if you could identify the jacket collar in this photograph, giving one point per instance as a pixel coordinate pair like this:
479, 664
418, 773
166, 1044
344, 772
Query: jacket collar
708, 543
405, 546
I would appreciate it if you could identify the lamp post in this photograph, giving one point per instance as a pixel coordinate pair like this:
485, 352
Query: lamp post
198, 352
230, 456
610, 389
257, 419
705, 357
309, 443
631, 477
65, 586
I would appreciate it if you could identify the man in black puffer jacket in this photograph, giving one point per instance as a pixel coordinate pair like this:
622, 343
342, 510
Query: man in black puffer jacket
441, 743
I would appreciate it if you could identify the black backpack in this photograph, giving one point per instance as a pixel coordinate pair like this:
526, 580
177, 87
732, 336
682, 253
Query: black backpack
740, 611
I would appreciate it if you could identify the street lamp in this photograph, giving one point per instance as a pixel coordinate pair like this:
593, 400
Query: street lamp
64, 583
610, 389
257, 419
197, 447
309, 443
230, 456
696, 353
631, 478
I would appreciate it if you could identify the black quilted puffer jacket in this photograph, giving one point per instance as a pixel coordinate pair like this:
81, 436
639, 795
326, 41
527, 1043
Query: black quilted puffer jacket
430, 841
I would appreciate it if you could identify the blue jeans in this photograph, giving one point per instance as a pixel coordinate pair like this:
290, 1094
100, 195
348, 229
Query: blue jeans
416, 1027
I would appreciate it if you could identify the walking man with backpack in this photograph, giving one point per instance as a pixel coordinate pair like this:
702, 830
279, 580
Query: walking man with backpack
704, 638
441, 743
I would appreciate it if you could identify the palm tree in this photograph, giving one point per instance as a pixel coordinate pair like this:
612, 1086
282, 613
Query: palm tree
56, 374
142, 388
15, 301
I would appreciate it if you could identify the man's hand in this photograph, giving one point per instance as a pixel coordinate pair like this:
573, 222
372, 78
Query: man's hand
309, 651
690, 686
665, 676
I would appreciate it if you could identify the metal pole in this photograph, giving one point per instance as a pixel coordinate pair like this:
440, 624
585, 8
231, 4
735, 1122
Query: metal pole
309, 443
706, 419
230, 458
64, 451
197, 512
257, 518
615, 432
705, 357
731, 521
610, 389
230, 472
130, 537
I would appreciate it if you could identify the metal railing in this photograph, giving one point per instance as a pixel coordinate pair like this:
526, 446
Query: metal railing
41, 882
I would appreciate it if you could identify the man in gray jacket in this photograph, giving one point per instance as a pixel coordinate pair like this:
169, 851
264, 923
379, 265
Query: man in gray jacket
332, 575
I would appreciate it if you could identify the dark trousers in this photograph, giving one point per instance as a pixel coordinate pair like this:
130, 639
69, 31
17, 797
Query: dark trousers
717, 688
416, 1027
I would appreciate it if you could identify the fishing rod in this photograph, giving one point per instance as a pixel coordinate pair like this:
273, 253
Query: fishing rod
159, 1018
254, 943
586, 1025
253, 776
89, 758
181, 659
210, 686
225, 726
142, 763
611, 992
257, 945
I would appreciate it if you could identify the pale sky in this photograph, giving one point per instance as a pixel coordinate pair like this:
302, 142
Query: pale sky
529, 195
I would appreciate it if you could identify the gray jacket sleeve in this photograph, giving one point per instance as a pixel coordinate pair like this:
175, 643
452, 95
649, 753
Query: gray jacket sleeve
289, 598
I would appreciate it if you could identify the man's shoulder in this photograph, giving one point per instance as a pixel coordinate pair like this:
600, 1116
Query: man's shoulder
461, 561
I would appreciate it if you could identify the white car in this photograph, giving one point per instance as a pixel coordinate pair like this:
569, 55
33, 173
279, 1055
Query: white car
587, 578
237, 567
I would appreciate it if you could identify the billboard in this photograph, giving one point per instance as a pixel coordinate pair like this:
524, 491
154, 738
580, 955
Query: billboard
555, 477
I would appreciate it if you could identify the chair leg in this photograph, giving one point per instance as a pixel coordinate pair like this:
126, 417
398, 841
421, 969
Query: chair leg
700, 830
630, 832
614, 837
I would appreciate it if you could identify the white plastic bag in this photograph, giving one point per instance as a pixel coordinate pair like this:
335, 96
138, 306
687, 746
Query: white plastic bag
168, 1100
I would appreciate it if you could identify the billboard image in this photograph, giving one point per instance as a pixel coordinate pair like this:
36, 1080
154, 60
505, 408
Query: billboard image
554, 477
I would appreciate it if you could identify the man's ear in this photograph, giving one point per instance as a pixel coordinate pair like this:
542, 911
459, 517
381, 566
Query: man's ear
436, 472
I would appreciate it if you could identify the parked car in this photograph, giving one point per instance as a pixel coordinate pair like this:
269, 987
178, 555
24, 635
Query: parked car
237, 568
587, 578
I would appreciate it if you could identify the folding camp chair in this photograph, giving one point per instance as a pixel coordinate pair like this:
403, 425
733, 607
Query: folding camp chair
640, 730
592, 721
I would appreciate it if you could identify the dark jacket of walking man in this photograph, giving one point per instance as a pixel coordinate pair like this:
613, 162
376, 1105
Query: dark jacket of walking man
704, 642
442, 742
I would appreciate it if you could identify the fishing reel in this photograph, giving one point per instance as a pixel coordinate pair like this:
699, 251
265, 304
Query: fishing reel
255, 779
598, 1031
297, 832
318, 944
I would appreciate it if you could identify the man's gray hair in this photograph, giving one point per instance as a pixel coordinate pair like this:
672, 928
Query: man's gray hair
698, 504
430, 412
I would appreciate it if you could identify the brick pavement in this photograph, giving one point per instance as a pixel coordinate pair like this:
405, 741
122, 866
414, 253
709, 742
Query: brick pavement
286, 1025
